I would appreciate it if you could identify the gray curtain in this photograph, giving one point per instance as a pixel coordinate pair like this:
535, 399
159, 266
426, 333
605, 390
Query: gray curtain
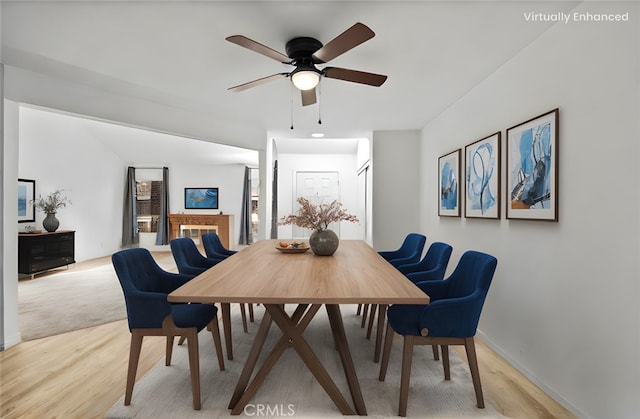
274, 202
163, 222
130, 236
246, 235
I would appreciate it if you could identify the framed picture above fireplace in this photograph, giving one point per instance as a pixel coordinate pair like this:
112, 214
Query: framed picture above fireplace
201, 198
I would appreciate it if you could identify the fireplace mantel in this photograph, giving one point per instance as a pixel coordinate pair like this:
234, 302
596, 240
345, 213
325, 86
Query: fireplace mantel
224, 222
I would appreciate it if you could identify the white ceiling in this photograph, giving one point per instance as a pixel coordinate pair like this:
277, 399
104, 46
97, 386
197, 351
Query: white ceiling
175, 53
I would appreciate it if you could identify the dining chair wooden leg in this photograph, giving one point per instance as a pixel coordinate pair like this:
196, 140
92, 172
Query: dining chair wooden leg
405, 376
382, 314
215, 332
436, 355
372, 315
365, 308
168, 351
359, 310
445, 362
134, 356
194, 366
470, 347
251, 318
388, 341
181, 340
243, 313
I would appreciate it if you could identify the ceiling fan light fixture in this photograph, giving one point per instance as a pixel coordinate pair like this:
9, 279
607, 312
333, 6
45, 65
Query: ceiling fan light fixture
305, 79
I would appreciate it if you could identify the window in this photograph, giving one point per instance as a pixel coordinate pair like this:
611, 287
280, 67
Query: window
148, 200
255, 195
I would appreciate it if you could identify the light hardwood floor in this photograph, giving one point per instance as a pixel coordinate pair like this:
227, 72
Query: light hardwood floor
81, 374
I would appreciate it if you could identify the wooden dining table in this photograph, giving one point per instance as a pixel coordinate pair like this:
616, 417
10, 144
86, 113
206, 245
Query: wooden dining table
262, 274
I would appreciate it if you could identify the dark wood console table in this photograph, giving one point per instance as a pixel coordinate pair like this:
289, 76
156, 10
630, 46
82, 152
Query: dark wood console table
38, 252
223, 223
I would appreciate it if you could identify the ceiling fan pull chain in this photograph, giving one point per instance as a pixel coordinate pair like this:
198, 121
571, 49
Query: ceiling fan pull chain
319, 103
291, 106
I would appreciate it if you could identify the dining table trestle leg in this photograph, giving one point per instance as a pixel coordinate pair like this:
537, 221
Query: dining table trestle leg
292, 328
340, 337
250, 390
252, 359
226, 324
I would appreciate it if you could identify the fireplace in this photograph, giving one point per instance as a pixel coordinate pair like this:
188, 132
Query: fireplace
195, 225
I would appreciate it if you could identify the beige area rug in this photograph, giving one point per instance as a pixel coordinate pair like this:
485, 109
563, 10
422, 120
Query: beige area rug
61, 301
291, 390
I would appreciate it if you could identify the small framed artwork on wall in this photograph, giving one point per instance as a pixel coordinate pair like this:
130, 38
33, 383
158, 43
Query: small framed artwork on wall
482, 178
201, 198
532, 169
26, 196
449, 184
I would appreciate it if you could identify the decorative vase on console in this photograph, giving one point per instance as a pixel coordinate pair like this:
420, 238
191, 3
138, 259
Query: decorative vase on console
50, 206
323, 242
50, 222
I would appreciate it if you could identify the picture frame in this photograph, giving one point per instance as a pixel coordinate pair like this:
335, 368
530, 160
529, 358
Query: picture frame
482, 178
532, 168
26, 197
201, 198
449, 184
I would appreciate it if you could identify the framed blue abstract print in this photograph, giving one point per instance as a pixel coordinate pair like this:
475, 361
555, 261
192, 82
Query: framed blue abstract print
482, 178
26, 197
449, 184
532, 169
201, 198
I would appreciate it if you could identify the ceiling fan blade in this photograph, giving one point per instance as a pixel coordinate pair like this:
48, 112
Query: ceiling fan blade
342, 43
245, 42
258, 82
354, 76
308, 97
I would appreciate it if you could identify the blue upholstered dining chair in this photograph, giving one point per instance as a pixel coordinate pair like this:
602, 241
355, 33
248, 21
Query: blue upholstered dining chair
433, 265
409, 251
190, 261
451, 318
145, 286
214, 248
188, 258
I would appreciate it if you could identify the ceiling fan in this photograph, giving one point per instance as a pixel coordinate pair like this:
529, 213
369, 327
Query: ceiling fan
304, 53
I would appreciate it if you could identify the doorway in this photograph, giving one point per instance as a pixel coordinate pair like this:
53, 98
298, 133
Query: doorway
318, 188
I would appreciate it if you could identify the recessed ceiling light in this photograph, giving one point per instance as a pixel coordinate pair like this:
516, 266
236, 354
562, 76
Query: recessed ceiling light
317, 135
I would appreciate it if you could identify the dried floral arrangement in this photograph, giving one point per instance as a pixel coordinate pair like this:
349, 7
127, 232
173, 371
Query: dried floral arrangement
51, 203
318, 217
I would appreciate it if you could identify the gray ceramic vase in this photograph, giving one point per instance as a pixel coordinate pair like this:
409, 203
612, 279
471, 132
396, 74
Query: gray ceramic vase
50, 222
324, 243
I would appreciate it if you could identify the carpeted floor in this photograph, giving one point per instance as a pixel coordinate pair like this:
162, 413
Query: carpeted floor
291, 390
87, 294
69, 300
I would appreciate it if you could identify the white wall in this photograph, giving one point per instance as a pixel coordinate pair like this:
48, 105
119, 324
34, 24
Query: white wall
344, 164
9, 311
49, 148
228, 179
396, 187
59, 155
563, 306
